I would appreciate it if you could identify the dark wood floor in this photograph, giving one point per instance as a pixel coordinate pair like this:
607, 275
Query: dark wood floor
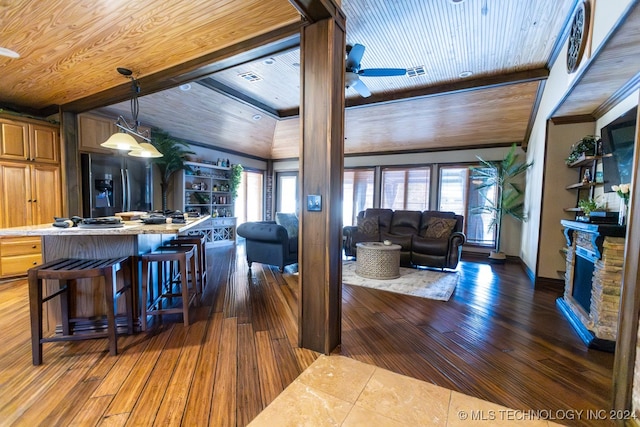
495, 339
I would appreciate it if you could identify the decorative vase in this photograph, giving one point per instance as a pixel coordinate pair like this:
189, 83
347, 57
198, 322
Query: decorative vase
622, 213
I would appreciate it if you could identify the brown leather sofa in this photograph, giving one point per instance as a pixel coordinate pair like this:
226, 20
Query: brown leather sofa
428, 238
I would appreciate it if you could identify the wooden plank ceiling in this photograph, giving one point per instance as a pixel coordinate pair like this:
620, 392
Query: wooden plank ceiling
70, 51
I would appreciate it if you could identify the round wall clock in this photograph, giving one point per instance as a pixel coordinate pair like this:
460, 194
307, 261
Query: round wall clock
578, 35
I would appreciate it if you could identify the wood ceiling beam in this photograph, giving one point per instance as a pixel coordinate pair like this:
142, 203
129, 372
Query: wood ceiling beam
454, 87
443, 89
317, 10
266, 44
215, 85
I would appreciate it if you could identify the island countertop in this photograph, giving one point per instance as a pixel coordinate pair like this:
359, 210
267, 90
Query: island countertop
129, 228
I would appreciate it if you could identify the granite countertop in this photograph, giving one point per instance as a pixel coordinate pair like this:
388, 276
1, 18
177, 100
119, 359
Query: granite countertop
129, 228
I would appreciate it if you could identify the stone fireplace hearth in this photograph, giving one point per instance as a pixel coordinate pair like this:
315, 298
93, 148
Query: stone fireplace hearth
593, 278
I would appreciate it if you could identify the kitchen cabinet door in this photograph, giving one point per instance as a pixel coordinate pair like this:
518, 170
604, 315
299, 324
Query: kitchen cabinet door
94, 131
46, 199
44, 146
15, 200
14, 140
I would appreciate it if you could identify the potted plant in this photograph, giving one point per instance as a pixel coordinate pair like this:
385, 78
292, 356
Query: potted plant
587, 146
588, 205
174, 155
502, 175
234, 180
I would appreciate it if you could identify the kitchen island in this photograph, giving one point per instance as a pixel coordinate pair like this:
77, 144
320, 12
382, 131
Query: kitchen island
132, 239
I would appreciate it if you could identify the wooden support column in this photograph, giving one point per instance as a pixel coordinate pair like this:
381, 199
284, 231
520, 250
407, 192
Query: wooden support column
321, 173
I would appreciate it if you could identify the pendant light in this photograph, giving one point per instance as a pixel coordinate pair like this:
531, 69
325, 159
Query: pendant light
146, 150
124, 140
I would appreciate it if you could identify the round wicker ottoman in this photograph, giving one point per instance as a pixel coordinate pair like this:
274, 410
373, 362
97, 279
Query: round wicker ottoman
375, 260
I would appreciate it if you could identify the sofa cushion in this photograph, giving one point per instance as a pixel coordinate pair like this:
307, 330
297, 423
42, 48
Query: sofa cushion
368, 225
405, 222
289, 221
425, 245
383, 216
438, 228
404, 240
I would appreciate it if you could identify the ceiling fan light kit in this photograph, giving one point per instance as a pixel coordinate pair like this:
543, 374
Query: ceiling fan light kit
354, 71
123, 140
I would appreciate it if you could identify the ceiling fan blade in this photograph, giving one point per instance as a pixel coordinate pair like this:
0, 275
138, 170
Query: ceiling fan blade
355, 56
382, 72
361, 88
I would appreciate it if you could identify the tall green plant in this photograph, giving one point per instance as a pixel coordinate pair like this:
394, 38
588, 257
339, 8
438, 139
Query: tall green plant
174, 155
503, 175
234, 179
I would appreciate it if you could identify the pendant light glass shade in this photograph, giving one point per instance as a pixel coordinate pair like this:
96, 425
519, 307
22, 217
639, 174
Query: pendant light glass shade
121, 141
146, 150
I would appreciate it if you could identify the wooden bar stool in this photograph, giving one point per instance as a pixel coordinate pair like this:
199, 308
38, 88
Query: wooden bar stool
66, 271
182, 255
200, 242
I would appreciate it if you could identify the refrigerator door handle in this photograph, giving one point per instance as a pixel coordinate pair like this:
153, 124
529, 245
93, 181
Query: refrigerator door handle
124, 190
128, 204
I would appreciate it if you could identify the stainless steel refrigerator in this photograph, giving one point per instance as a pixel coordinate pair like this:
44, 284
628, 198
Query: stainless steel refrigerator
115, 183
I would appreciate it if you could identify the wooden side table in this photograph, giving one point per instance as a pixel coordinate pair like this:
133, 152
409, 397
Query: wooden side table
375, 260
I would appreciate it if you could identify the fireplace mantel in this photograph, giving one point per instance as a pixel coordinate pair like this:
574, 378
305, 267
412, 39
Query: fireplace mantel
595, 256
597, 233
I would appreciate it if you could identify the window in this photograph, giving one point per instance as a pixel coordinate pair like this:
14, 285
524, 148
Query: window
406, 188
462, 195
358, 193
287, 190
248, 205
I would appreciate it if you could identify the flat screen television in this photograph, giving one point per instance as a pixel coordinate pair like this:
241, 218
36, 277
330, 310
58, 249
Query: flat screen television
618, 139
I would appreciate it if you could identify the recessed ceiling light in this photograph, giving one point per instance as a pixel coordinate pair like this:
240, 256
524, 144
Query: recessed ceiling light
296, 64
256, 117
185, 87
269, 61
8, 52
465, 74
457, 1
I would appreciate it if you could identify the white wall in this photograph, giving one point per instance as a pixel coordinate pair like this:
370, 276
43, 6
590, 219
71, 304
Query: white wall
606, 14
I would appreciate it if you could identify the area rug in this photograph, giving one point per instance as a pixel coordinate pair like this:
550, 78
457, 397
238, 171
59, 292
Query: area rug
417, 282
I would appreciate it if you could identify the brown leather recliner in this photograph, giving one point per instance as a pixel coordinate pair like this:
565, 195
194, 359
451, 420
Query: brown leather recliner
429, 238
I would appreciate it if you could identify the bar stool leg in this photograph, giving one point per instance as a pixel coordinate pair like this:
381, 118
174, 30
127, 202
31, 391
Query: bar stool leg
127, 282
65, 303
185, 289
145, 296
110, 284
35, 308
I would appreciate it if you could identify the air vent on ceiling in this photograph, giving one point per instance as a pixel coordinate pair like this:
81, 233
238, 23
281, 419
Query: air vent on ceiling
250, 76
416, 71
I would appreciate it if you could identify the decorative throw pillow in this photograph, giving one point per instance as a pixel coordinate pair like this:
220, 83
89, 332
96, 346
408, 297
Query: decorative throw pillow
368, 225
289, 221
438, 228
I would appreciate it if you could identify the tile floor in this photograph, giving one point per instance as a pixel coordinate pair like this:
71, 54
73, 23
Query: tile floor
338, 391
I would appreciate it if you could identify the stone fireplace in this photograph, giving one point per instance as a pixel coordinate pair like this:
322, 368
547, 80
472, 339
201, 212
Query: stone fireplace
593, 278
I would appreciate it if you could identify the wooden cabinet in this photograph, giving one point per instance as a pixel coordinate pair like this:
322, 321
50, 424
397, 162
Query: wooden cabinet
18, 254
94, 130
29, 141
31, 194
30, 189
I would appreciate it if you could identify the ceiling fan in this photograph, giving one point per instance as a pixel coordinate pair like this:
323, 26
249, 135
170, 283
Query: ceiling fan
353, 71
